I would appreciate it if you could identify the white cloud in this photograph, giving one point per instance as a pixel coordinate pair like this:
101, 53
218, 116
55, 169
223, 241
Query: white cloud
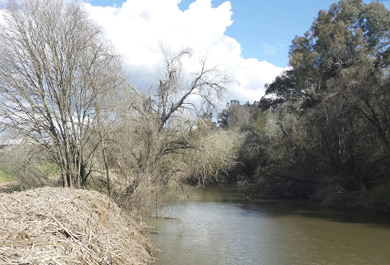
268, 48
138, 26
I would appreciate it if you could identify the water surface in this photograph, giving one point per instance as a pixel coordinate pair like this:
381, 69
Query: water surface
218, 226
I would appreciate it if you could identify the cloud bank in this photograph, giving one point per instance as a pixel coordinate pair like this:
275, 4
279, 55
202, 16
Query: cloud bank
139, 26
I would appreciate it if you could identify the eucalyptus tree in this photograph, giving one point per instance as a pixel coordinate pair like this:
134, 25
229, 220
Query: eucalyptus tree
337, 91
55, 68
349, 37
341, 67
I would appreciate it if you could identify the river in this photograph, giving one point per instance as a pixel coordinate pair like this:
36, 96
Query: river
219, 226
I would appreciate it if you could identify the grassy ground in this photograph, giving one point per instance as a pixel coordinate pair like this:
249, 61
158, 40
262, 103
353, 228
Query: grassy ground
5, 177
46, 169
8, 182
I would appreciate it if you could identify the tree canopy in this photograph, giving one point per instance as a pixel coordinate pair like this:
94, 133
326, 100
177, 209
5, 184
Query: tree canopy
323, 127
349, 36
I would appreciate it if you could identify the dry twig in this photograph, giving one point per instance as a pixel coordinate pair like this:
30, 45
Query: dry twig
68, 226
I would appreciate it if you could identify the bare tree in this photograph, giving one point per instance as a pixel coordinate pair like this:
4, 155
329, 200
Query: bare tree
179, 90
158, 138
55, 66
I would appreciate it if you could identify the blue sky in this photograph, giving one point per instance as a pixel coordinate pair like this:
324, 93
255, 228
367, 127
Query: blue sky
263, 28
248, 39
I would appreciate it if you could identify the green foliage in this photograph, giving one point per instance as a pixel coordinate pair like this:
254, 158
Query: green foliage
349, 35
325, 122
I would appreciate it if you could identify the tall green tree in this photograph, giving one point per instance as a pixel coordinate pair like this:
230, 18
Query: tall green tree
337, 98
349, 35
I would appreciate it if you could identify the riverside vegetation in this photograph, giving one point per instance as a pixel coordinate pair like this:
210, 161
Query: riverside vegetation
70, 118
322, 129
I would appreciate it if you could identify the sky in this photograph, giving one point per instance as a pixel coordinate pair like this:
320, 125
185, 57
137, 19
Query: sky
248, 39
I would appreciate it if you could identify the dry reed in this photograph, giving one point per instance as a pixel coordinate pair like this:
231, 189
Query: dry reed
68, 226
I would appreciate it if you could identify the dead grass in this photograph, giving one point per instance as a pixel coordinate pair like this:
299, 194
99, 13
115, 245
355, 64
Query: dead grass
68, 226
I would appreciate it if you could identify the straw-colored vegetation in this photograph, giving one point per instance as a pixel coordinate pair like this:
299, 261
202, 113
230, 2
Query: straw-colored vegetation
68, 226
68, 103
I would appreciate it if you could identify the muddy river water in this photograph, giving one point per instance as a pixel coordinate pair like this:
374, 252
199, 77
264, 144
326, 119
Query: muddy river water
218, 226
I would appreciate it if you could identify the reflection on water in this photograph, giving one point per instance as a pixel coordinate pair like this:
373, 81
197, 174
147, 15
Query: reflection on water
220, 227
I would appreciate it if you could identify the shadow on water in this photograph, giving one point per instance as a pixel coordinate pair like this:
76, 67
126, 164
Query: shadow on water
282, 208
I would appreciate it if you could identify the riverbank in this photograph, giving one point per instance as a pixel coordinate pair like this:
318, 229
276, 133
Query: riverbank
68, 226
326, 194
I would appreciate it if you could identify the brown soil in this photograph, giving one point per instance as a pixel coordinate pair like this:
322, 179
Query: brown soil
68, 226
10, 183
10, 186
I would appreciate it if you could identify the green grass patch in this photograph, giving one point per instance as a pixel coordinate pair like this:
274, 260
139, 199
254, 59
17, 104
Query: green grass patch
49, 169
5, 177
45, 169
